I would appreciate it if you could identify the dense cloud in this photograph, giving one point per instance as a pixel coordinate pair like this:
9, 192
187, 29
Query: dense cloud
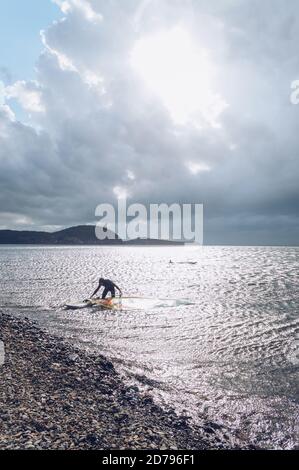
95, 128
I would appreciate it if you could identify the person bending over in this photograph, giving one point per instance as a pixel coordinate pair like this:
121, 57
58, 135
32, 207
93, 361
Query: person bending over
109, 286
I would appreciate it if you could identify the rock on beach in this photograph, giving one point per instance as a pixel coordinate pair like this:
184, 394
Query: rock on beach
54, 396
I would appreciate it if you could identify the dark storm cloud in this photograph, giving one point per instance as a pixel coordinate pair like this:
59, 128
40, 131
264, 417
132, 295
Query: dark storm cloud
94, 127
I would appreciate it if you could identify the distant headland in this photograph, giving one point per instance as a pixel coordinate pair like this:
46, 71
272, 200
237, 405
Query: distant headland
80, 235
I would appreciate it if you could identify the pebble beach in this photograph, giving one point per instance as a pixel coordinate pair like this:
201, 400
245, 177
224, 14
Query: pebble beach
54, 396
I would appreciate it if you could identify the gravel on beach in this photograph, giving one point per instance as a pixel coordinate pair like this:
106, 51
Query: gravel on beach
54, 396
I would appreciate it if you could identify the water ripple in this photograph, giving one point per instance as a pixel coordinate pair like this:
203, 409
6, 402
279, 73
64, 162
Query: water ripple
230, 356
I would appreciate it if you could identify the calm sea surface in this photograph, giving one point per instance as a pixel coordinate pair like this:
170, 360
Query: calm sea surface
229, 354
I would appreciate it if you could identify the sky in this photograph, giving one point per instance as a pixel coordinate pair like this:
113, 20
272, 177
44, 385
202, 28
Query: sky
20, 44
161, 101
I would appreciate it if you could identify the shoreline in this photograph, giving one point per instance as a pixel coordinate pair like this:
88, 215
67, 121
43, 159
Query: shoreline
55, 396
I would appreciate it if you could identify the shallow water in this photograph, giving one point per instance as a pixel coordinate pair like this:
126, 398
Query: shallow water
224, 349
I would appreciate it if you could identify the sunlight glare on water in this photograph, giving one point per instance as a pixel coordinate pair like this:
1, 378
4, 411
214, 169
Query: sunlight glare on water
221, 343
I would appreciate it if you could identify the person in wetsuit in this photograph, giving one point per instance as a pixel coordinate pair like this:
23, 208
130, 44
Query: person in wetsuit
109, 286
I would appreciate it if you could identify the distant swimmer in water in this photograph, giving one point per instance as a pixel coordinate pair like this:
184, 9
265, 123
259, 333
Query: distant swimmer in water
109, 286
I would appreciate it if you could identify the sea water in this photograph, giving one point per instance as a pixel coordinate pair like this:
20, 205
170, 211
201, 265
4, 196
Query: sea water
217, 340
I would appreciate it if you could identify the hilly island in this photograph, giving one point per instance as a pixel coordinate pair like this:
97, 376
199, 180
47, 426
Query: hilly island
80, 235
